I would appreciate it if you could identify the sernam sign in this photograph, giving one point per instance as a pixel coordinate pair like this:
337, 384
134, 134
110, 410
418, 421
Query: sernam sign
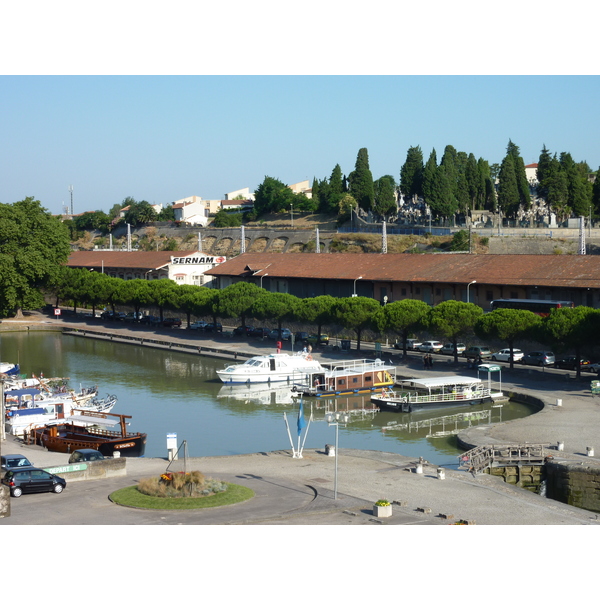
197, 260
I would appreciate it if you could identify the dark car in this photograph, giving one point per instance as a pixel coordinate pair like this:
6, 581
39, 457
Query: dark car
13, 461
243, 330
213, 327
260, 332
27, 480
149, 320
171, 322
301, 337
570, 362
86, 455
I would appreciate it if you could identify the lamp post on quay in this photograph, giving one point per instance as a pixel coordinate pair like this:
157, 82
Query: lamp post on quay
468, 285
336, 419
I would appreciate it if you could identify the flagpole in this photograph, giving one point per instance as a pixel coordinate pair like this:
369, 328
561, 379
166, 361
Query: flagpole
289, 433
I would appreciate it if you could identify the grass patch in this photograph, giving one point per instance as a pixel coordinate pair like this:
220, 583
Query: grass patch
130, 496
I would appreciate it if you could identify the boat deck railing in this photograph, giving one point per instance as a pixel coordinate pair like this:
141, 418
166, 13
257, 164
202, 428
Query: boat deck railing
416, 398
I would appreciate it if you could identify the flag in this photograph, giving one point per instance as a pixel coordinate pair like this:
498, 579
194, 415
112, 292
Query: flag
301, 421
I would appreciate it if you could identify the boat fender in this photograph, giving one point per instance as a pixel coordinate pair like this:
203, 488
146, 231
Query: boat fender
294, 389
309, 357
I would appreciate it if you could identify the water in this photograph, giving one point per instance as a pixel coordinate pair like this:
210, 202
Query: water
169, 392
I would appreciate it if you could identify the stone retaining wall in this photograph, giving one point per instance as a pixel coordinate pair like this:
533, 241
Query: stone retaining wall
574, 484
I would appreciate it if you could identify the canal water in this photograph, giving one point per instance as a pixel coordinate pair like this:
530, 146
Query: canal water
168, 392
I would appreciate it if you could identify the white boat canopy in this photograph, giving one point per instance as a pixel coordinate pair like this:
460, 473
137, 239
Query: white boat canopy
436, 382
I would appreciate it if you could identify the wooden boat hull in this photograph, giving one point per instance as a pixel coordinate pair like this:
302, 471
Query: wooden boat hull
68, 437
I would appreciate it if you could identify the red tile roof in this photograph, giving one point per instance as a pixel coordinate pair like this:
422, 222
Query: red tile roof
580, 271
116, 259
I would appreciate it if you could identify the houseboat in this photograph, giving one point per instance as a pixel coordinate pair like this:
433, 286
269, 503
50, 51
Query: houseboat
434, 392
349, 377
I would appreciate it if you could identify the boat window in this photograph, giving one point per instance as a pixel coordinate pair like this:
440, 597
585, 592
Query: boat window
368, 378
341, 382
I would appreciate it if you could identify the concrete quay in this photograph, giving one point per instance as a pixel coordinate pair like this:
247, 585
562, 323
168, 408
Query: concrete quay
292, 491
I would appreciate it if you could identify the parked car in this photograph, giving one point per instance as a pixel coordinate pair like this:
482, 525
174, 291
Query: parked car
540, 358
133, 317
431, 346
12, 461
301, 337
213, 327
280, 334
149, 320
504, 355
198, 325
570, 362
25, 480
243, 330
171, 322
411, 344
260, 332
449, 349
477, 352
86, 455
322, 339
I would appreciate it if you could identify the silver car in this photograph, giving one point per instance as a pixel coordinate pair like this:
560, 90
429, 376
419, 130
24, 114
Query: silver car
540, 358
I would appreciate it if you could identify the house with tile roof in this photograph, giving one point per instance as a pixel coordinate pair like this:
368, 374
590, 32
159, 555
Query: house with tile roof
182, 267
432, 278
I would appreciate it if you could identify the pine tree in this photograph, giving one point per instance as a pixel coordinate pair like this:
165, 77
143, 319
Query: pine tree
385, 196
542, 172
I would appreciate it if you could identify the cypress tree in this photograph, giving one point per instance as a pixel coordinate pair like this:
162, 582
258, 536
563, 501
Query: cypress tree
361, 181
411, 173
508, 193
429, 176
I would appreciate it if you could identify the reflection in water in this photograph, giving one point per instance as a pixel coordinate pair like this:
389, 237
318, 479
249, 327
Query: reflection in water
171, 392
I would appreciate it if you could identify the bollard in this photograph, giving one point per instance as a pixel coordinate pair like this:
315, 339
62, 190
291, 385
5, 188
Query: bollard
560, 446
116, 454
559, 402
441, 474
419, 469
590, 451
329, 450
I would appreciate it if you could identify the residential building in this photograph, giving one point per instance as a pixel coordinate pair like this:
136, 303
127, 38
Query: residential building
191, 210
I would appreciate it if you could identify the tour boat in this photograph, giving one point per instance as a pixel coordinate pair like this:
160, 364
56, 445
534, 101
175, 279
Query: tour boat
433, 392
70, 436
289, 368
349, 377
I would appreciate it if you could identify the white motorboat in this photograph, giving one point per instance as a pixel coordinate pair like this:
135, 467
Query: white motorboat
433, 392
30, 407
7, 369
288, 368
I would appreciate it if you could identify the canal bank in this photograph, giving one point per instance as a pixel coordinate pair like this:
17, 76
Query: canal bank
573, 422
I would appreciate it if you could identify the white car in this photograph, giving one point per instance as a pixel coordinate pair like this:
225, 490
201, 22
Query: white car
431, 346
504, 355
198, 325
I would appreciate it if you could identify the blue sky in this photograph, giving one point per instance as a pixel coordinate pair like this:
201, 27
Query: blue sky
162, 138
167, 103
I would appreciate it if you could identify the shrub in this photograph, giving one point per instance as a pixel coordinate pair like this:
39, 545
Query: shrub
181, 485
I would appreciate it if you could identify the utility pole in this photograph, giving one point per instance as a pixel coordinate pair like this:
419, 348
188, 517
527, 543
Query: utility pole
71, 191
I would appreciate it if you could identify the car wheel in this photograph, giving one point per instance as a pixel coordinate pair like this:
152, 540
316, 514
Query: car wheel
16, 492
58, 488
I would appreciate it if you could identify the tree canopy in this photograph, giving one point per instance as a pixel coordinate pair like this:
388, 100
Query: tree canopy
33, 246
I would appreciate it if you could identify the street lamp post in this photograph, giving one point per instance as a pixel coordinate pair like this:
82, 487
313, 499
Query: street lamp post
261, 279
468, 285
292, 213
354, 293
336, 419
